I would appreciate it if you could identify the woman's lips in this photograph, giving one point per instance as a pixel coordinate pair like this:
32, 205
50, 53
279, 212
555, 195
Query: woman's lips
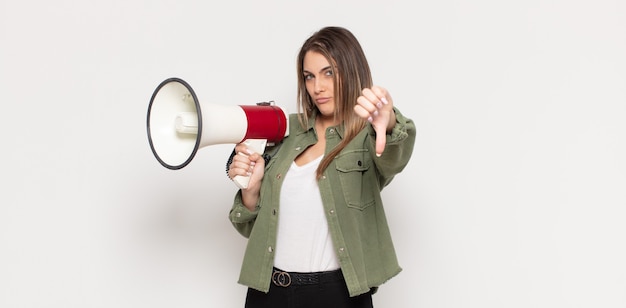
322, 100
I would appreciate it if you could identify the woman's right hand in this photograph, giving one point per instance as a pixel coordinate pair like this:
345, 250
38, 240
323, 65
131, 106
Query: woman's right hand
248, 163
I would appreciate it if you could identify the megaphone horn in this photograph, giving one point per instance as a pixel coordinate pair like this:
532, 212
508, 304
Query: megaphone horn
178, 125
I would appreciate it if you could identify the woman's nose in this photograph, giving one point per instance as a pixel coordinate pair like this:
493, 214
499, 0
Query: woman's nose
319, 86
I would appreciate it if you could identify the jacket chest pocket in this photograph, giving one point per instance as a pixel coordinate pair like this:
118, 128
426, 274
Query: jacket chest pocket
354, 168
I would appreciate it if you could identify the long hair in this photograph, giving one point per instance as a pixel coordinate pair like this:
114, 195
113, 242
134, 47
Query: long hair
351, 75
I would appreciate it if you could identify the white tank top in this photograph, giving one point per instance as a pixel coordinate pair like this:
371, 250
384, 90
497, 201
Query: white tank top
304, 243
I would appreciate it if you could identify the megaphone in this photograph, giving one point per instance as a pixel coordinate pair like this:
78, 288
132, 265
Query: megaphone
178, 126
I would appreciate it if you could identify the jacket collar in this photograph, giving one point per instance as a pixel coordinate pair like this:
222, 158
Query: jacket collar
311, 127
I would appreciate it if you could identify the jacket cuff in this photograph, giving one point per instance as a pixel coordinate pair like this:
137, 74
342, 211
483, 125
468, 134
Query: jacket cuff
240, 213
399, 131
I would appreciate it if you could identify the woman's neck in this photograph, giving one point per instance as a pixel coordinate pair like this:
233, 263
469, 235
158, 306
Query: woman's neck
323, 122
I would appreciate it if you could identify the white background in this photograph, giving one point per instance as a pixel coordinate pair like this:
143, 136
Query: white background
515, 195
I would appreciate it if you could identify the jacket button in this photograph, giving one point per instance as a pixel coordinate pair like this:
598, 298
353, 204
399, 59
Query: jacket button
238, 214
278, 176
332, 211
359, 163
270, 249
273, 211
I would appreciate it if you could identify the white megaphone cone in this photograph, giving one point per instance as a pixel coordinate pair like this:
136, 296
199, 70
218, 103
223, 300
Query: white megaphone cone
177, 126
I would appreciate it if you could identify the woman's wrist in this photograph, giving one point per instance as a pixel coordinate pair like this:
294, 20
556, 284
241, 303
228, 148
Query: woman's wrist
392, 121
250, 199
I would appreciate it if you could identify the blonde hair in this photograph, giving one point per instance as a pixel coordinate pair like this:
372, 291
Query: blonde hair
351, 75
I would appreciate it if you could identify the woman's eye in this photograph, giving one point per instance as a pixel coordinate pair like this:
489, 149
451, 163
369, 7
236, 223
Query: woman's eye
308, 77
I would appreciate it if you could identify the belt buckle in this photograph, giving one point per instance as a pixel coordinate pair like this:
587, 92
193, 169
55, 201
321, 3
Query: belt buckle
281, 279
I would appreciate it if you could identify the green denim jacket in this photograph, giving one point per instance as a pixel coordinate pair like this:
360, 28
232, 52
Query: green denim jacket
350, 189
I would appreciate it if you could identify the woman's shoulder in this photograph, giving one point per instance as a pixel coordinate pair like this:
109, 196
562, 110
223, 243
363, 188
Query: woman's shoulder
293, 118
295, 124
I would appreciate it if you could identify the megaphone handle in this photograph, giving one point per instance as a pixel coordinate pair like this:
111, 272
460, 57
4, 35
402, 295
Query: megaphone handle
257, 146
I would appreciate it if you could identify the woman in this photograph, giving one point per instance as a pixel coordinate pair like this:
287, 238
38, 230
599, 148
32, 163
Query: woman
312, 213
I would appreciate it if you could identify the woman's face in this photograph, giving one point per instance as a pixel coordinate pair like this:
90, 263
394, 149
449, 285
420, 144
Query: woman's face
319, 79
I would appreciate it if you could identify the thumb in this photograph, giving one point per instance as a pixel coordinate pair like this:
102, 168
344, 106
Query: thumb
381, 139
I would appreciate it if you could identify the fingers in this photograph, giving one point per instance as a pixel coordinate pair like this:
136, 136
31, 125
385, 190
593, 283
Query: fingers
375, 105
241, 165
243, 162
371, 102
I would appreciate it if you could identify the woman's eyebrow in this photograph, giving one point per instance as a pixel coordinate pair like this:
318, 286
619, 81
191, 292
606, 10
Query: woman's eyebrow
322, 70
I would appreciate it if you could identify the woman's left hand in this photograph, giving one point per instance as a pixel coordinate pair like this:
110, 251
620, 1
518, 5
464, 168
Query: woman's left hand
376, 106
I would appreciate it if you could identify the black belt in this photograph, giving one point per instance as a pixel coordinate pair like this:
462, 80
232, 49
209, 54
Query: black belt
285, 279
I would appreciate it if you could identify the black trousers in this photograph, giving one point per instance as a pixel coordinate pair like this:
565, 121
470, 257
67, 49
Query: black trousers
333, 294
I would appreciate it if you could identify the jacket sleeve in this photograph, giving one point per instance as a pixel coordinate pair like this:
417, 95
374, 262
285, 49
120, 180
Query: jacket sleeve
398, 148
241, 217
